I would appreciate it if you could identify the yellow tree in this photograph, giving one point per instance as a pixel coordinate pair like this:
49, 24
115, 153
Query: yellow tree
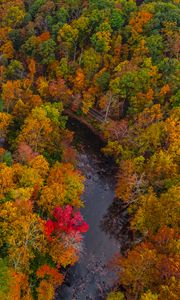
155, 212
40, 164
22, 231
131, 180
50, 278
10, 93
64, 186
161, 170
5, 120
36, 130
6, 180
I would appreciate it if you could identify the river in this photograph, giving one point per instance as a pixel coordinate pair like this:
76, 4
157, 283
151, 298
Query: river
91, 277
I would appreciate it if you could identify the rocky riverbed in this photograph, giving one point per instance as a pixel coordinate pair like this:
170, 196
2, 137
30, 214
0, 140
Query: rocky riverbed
91, 277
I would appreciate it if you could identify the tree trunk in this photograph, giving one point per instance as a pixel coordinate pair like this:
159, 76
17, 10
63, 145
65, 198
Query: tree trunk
108, 107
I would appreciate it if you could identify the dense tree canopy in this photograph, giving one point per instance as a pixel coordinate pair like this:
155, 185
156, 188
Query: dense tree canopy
120, 58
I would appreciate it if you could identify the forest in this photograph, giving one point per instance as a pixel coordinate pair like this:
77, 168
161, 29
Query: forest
113, 64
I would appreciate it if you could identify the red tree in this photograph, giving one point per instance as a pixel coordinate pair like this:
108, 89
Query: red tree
65, 221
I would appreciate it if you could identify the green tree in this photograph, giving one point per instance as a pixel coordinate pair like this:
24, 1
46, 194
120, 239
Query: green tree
46, 51
156, 46
15, 70
68, 37
116, 19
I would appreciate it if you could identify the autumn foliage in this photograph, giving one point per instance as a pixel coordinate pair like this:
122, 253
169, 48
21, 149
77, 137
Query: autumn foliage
115, 64
65, 222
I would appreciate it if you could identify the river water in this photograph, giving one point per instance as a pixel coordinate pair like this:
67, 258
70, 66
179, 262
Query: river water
91, 277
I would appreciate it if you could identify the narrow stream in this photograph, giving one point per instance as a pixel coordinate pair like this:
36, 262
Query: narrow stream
90, 278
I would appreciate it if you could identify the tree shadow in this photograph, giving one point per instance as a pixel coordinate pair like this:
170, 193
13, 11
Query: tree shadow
115, 223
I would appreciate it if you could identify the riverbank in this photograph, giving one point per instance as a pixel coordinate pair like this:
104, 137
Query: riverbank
89, 125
